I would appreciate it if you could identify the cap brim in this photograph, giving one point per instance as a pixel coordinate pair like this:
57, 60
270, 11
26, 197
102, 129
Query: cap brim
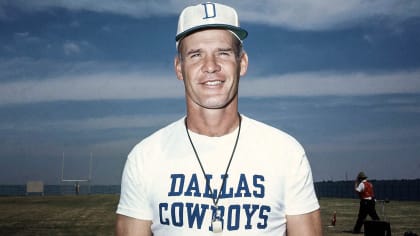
241, 33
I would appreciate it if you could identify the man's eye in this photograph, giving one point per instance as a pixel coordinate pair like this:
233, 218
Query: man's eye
223, 53
194, 55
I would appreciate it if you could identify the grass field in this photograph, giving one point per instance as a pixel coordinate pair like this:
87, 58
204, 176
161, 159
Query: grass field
94, 215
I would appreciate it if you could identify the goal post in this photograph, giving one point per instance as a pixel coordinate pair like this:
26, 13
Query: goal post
77, 181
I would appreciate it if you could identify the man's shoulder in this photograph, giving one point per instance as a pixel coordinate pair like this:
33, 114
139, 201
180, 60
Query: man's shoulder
263, 127
175, 126
163, 135
368, 183
256, 124
261, 130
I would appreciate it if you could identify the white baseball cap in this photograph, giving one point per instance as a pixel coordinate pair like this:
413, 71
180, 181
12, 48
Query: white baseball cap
209, 15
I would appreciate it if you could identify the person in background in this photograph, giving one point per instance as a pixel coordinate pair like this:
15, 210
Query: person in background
367, 201
77, 188
216, 171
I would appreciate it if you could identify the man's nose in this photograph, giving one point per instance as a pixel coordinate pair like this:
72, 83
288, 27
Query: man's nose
211, 64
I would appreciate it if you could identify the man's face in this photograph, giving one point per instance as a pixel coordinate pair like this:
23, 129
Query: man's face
210, 68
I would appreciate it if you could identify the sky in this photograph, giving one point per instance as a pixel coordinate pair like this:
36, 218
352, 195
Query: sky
88, 79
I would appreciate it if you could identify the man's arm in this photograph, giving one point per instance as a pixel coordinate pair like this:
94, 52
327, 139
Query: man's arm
358, 186
128, 226
304, 225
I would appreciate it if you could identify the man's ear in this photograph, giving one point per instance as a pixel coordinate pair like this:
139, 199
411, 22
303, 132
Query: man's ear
244, 63
177, 67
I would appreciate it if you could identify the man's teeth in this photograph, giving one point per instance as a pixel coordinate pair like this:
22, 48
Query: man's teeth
213, 82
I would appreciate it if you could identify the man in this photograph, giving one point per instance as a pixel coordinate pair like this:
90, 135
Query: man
216, 172
367, 201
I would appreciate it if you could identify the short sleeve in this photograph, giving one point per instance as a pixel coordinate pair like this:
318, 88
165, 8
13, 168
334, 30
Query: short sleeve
360, 187
300, 192
134, 200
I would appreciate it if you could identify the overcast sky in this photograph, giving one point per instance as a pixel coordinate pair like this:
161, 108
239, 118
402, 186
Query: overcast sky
94, 77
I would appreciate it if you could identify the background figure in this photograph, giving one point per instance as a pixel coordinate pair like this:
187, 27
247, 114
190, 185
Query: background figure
367, 201
77, 188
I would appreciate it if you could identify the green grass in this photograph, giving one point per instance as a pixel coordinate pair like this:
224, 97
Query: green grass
95, 215
58, 215
403, 216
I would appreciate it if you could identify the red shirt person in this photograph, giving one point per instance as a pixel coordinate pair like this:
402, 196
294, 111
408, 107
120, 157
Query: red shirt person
367, 201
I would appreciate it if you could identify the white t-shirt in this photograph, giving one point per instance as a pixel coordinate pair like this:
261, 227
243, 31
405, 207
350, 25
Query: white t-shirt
269, 178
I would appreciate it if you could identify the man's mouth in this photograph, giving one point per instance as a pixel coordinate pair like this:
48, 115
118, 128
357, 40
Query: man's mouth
213, 83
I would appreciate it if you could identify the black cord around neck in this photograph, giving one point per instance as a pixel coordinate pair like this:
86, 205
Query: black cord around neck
215, 201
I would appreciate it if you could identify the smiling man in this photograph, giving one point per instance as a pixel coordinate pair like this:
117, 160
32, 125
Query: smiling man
216, 171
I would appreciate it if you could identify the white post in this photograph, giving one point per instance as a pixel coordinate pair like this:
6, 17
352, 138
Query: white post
62, 168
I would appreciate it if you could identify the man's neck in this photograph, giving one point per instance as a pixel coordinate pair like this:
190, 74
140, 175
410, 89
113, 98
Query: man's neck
213, 123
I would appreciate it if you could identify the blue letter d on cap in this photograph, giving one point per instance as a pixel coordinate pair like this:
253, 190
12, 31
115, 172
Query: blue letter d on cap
210, 10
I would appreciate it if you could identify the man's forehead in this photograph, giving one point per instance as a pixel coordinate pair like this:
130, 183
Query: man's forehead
209, 37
